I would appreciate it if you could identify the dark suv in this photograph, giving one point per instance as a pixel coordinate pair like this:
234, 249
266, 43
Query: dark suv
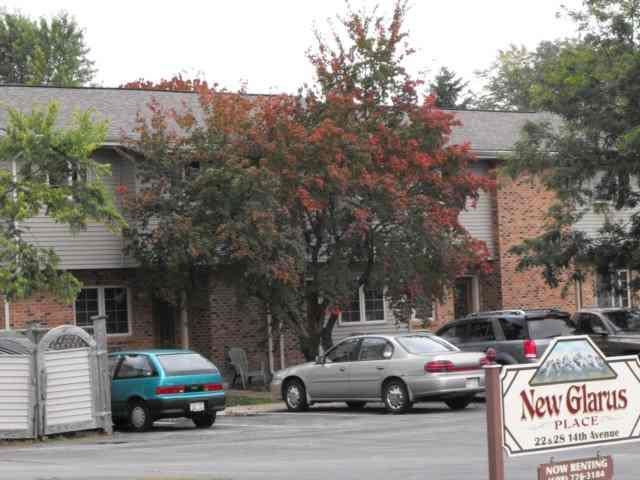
518, 336
615, 330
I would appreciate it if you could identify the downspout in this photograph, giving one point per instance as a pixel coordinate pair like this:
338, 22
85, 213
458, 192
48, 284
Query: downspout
282, 365
7, 315
270, 344
184, 321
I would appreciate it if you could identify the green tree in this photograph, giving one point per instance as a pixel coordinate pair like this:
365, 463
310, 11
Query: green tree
47, 169
591, 157
43, 52
448, 88
510, 80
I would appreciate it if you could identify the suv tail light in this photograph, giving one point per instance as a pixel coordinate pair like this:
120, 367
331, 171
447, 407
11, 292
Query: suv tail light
530, 348
170, 390
438, 366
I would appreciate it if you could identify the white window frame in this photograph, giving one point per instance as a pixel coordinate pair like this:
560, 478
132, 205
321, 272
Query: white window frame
363, 313
615, 296
102, 308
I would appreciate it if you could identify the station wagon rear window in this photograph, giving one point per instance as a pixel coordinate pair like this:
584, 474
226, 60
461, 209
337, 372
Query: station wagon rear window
186, 364
550, 327
420, 344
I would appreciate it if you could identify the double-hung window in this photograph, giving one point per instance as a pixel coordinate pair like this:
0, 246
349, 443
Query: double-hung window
613, 289
366, 306
112, 302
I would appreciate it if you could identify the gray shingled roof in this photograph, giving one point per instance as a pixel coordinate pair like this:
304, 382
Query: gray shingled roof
488, 132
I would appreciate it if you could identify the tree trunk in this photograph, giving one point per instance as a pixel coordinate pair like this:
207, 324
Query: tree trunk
327, 332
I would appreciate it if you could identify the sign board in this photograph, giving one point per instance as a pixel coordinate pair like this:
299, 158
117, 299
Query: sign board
597, 468
574, 397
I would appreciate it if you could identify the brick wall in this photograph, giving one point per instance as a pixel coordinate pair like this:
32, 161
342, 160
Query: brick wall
522, 207
50, 312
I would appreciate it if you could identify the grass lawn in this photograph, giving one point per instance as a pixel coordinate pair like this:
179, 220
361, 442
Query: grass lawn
247, 397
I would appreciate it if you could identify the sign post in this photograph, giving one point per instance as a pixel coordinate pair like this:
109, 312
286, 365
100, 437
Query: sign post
494, 422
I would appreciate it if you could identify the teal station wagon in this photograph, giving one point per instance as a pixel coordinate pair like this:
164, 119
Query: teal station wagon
152, 384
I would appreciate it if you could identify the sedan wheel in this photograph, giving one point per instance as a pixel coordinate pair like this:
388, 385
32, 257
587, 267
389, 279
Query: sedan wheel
396, 397
295, 396
140, 419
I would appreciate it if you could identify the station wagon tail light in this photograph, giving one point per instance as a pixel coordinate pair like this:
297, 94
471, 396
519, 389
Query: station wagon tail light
170, 390
213, 387
439, 366
530, 348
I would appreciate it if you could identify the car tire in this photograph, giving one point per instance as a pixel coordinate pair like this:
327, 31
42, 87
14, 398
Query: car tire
356, 405
139, 419
206, 420
295, 396
395, 397
458, 403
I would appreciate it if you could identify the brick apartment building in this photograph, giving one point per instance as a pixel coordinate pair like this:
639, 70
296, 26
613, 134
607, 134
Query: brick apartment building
112, 285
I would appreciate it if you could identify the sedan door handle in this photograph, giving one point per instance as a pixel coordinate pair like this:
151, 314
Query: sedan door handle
342, 369
379, 368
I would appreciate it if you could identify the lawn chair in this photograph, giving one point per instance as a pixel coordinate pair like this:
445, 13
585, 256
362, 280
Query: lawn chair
239, 362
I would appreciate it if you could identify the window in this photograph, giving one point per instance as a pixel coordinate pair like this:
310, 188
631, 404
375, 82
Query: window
375, 349
454, 333
345, 351
613, 289
627, 321
86, 306
513, 328
481, 331
135, 366
186, 364
113, 364
590, 324
419, 344
113, 302
367, 305
550, 327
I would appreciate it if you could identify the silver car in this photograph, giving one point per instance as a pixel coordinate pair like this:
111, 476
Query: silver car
395, 369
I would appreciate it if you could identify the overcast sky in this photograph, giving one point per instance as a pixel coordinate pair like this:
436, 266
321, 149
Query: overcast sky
264, 42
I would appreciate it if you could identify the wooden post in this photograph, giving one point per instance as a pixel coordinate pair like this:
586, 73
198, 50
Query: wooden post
494, 422
104, 376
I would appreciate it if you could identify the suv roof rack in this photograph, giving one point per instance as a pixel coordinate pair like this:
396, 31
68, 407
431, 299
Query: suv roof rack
513, 311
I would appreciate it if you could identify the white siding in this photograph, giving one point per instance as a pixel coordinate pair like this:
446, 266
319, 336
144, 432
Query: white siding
15, 396
69, 397
478, 220
95, 247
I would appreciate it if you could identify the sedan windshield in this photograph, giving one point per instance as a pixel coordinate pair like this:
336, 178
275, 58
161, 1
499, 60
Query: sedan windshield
625, 320
186, 364
419, 344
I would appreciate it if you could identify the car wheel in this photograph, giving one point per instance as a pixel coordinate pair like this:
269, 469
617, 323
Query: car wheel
205, 420
140, 419
356, 405
295, 396
458, 403
396, 397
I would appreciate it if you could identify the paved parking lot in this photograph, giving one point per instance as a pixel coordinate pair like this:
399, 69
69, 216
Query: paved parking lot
330, 442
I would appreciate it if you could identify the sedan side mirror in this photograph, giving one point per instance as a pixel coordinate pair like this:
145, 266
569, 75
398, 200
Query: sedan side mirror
319, 359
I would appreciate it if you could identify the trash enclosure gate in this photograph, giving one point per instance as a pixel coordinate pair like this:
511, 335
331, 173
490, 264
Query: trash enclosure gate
17, 387
54, 381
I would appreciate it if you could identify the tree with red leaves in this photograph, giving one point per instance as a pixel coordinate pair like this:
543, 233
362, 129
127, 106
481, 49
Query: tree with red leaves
355, 187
